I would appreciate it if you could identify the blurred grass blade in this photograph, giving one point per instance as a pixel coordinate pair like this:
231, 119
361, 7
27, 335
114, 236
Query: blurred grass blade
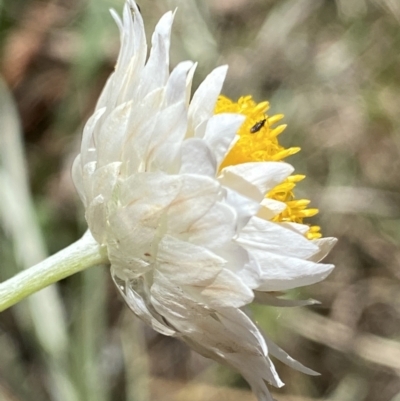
18, 218
89, 334
136, 358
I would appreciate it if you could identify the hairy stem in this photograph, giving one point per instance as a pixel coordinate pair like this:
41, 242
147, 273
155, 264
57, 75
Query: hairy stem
81, 255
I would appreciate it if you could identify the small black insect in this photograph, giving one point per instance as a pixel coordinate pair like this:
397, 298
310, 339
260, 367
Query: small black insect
256, 127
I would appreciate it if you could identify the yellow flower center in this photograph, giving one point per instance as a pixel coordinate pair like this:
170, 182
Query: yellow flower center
258, 141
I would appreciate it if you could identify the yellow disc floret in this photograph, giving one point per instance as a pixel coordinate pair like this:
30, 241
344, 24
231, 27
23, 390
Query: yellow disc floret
258, 141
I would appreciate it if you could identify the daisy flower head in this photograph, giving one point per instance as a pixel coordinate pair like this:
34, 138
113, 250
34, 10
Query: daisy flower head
191, 198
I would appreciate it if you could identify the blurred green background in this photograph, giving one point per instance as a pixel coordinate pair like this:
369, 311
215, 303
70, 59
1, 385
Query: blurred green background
333, 68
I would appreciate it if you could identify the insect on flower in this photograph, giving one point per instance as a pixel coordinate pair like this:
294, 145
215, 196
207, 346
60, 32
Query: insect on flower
256, 127
189, 213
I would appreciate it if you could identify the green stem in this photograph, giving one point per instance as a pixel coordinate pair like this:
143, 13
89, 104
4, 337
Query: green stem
81, 255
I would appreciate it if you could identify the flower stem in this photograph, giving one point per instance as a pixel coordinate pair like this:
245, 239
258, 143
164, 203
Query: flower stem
80, 255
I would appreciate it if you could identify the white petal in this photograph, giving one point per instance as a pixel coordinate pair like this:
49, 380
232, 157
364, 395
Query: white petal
215, 228
87, 173
135, 48
245, 207
189, 81
187, 264
238, 322
254, 180
203, 103
144, 199
131, 57
140, 127
296, 227
241, 262
220, 132
136, 224
111, 135
257, 370
207, 334
235, 255
280, 273
140, 303
88, 135
96, 217
156, 71
226, 290
175, 306
146, 188
281, 355
270, 208
165, 143
104, 180
124, 263
215, 335
197, 158
325, 245
106, 93
175, 90
133, 39
268, 236
76, 173
195, 198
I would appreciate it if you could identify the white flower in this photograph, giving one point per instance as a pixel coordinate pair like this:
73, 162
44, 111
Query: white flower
186, 247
